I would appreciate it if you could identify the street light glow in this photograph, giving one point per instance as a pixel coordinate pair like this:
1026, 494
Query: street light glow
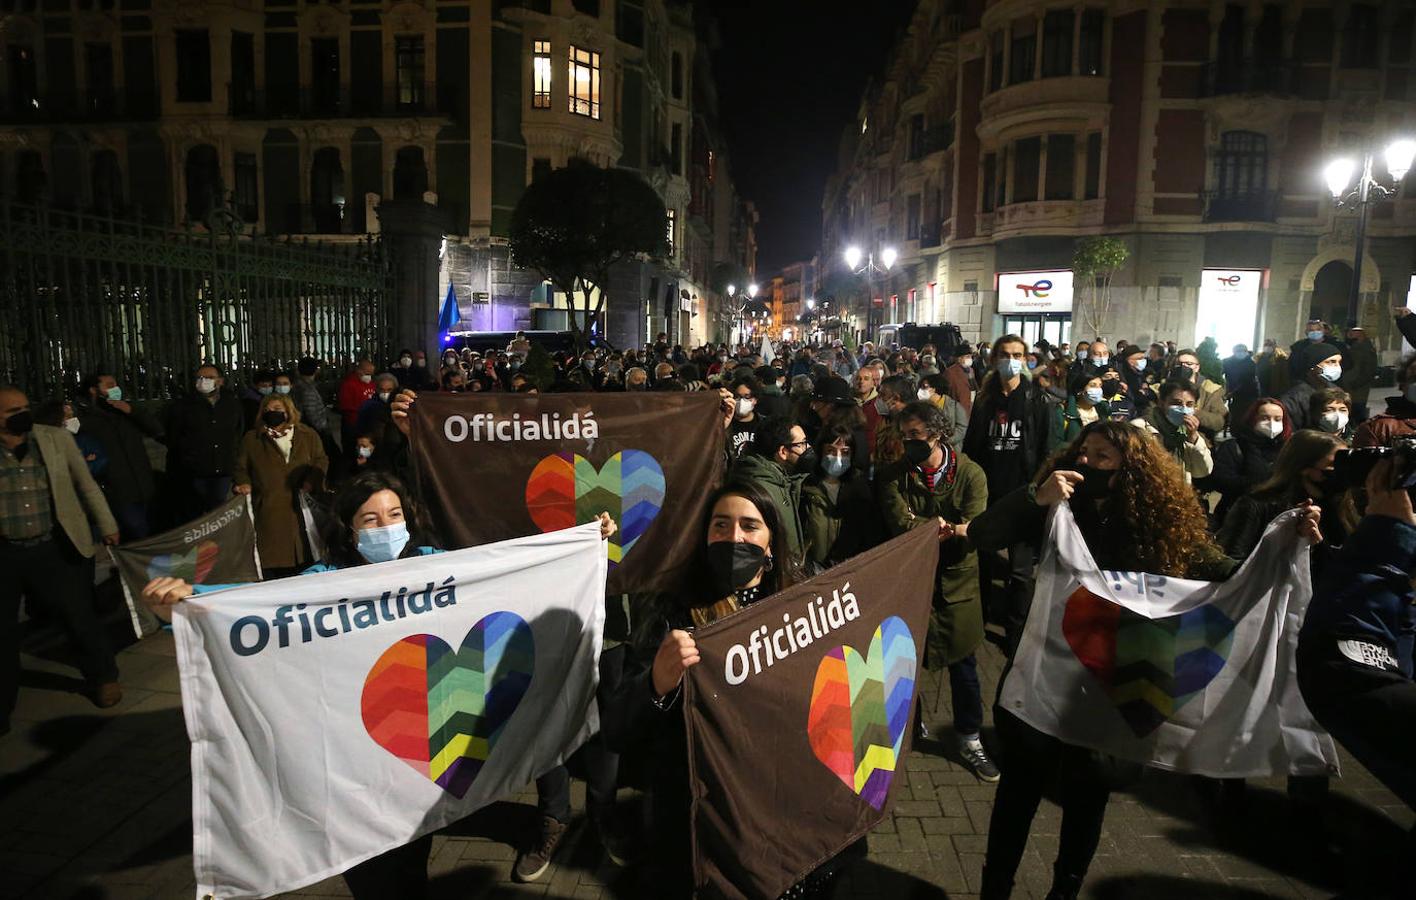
1338, 175
1398, 158
852, 255
732, 289
810, 304
752, 290
887, 256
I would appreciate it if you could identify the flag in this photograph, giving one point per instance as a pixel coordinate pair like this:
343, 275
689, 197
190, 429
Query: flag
495, 466
767, 355
337, 716
217, 548
798, 718
450, 315
1190, 676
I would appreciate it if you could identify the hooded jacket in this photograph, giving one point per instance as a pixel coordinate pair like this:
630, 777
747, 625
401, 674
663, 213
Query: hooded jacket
783, 489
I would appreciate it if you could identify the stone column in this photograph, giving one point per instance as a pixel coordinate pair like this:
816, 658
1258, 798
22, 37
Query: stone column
412, 234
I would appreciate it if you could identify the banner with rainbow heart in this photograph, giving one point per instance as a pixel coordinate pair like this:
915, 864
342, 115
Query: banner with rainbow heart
799, 717
217, 548
497, 466
336, 716
1190, 676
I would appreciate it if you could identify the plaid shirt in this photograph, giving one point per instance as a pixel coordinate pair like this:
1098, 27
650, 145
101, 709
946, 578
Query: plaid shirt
26, 508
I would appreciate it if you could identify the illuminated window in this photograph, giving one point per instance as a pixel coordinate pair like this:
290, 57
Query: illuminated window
585, 82
670, 214
541, 61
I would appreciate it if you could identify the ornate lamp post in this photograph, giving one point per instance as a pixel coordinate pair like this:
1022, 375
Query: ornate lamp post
869, 269
1366, 192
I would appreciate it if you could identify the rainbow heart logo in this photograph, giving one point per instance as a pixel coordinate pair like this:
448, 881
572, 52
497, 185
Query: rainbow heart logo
193, 566
565, 490
1149, 667
441, 710
860, 708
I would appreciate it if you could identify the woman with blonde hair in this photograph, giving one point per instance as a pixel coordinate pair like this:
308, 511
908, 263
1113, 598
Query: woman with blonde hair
1136, 512
276, 461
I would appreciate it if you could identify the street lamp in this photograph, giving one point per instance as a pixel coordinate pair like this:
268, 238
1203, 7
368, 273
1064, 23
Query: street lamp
742, 310
1367, 191
869, 269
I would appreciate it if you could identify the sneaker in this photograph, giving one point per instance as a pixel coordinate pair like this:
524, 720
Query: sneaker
976, 758
617, 849
532, 864
110, 693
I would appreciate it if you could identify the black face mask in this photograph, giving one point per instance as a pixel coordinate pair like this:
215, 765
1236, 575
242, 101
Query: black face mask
273, 418
20, 423
917, 452
1096, 483
806, 462
734, 564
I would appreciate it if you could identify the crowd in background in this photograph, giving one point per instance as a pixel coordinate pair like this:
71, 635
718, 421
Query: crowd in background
1190, 456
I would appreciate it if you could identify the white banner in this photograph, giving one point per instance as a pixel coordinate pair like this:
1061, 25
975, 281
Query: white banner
1192, 676
340, 715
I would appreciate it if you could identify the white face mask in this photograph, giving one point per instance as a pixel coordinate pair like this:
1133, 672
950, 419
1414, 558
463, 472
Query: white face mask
405, 361
1270, 428
366, 452
1332, 373
384, 395
206, 385
744, 407
924, 394
1333, 422
282, 388
71, 425
366, 378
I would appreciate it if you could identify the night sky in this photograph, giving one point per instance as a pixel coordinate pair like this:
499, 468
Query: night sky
790, 76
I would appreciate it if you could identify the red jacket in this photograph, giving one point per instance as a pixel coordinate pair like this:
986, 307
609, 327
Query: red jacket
352, 394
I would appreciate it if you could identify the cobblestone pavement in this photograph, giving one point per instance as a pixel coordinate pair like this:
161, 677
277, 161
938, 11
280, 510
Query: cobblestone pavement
96, 804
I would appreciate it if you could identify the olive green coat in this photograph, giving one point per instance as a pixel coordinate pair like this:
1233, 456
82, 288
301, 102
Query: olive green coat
956, 622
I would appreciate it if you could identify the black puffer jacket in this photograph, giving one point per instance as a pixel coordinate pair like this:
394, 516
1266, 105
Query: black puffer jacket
1239, 466
202, 436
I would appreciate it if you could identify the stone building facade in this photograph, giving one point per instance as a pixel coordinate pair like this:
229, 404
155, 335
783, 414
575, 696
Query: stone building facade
1195, 132
305, 118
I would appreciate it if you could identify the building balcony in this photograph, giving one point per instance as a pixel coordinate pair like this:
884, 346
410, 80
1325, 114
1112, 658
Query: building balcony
250, 102
1245, 206
103, 105
1044, 103
930, 235
1043, 216
1250, 77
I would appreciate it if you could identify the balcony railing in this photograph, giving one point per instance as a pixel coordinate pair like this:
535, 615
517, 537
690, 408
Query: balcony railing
249, 102
1245, 206
1250, 77
100, 105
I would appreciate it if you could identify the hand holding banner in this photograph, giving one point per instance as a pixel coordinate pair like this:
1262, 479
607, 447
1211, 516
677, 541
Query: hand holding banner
336, 716
798, 718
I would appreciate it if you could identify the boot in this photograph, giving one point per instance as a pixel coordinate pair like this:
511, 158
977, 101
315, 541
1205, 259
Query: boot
995, 886
1065, 886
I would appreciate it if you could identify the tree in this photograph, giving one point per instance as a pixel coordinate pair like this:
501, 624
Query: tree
1210, 365
1095, 262
575, 224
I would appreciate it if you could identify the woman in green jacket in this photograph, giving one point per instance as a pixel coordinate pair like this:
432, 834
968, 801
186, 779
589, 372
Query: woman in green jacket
839, 516
1084, 406
935, 486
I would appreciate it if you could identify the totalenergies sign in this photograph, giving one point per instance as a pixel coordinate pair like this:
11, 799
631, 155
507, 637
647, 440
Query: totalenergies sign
1035, 292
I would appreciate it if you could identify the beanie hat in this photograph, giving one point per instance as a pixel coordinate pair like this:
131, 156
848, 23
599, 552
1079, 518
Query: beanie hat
1310, 354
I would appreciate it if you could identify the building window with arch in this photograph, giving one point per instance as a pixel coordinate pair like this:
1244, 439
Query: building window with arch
584, 82
541, 75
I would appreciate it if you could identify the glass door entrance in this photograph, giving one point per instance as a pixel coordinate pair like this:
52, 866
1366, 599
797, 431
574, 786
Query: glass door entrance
1055, 328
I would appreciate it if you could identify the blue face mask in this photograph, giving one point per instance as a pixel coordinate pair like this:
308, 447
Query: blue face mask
1009, 368
379, 545
1315, 335
114, 393
1100, 361
1177, 414
1139, 363
1032, 364
836, 466
1094, 394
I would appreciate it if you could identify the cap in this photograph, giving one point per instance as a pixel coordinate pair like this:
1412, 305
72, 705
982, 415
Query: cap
834, 390
1310, 354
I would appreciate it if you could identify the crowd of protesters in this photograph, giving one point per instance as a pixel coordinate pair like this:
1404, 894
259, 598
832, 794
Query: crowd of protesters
830, 449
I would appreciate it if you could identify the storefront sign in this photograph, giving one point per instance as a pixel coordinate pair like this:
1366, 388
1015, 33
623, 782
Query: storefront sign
1229, 307
1035, 292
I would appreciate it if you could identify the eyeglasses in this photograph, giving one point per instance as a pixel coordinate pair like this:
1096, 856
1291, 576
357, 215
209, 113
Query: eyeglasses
796, 444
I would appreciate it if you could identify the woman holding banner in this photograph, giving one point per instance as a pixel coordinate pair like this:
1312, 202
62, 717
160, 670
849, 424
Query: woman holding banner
1136, 513
278, 460
376, 519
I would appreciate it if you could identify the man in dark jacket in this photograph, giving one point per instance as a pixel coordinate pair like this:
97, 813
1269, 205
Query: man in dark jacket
1007, 437
127, 481
1359, 370
770, 399
203, 431
1315, 332
1319, 365
778, 462
1241, 378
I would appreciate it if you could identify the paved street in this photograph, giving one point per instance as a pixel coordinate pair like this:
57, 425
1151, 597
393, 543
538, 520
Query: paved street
96, 804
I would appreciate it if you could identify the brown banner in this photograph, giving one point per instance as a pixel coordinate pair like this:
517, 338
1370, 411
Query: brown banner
497, 466
799, 717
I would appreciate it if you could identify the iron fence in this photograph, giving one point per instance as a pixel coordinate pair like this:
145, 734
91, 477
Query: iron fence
83, 292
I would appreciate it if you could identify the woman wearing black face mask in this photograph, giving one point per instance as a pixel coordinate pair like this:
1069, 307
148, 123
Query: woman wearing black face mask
934, 486
1136, 514
276, 461
743, 559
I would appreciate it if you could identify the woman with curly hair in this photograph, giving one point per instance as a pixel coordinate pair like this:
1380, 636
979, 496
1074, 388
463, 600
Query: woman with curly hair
1136, 513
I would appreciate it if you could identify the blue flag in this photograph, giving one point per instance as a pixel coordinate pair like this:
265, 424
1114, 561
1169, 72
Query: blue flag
451, 315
